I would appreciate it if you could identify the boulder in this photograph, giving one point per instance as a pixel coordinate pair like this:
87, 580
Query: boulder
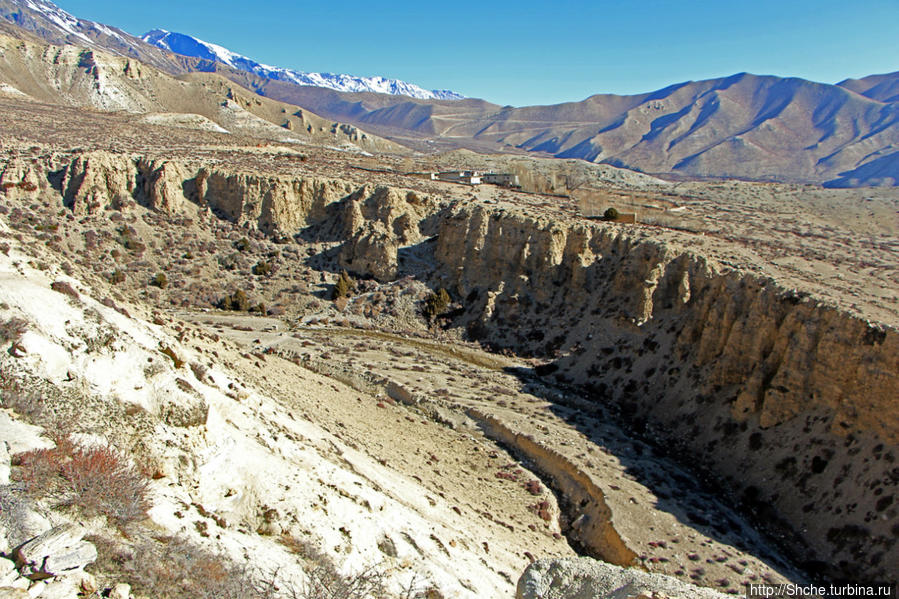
586, 578
371, 252
62, 588
21, 437
120, 591
57, 552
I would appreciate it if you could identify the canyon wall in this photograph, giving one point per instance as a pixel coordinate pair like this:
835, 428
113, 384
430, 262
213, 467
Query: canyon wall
788, 403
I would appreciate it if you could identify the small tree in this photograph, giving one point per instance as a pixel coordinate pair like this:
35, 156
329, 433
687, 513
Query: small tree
237, 301
610, 214
436, 303
344, 286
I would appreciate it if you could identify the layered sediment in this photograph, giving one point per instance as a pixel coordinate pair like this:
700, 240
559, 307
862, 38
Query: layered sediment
789, 402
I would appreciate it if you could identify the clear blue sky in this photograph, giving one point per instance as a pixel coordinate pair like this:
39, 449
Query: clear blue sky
536, 52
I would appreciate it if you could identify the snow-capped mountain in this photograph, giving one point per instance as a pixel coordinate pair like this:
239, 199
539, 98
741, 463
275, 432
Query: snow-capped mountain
186, 45
51, 23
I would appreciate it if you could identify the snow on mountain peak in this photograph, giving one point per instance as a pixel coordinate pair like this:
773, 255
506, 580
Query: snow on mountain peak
186, 45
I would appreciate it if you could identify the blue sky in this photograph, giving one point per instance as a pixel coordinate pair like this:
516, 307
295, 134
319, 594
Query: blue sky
528, 52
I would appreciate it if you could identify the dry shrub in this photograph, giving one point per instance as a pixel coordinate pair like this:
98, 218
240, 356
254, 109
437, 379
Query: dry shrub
65, 288
174, 568
39, 471
323, 582
12, 329
98, 480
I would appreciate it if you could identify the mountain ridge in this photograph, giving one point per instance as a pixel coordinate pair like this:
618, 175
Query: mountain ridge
754, 127
757, 127
188, 45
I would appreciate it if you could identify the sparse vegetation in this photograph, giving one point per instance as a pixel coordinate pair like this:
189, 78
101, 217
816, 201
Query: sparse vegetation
262, 269
176, 568
344, 286
436, 304
323, 582
160, 280
129, 240
237, 302
96, 479
12, 329
242, 244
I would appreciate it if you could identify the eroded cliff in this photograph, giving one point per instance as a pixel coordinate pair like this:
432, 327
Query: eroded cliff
790, 403
787, 402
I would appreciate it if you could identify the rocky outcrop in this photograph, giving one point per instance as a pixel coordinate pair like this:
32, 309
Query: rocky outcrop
788, 401
374, 221
96, 180
21, 178
372, 251
269, 203
57, 552
377, 224
585, 578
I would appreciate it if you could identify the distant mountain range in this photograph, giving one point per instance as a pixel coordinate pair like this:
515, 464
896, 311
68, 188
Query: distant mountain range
191, 46
57, 26
743, 126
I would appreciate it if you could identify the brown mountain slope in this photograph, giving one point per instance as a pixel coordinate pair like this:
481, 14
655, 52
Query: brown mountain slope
879, 87
48, 22
744, 126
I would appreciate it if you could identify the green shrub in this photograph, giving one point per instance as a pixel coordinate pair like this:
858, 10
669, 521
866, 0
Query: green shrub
160, 280
237, 301
610, 214
436, 304
344, 286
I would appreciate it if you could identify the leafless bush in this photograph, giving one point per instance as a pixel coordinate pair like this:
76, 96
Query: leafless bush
200, 371
95, 479
324, 582
171, 568
12, 329
99, 480
65, 288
